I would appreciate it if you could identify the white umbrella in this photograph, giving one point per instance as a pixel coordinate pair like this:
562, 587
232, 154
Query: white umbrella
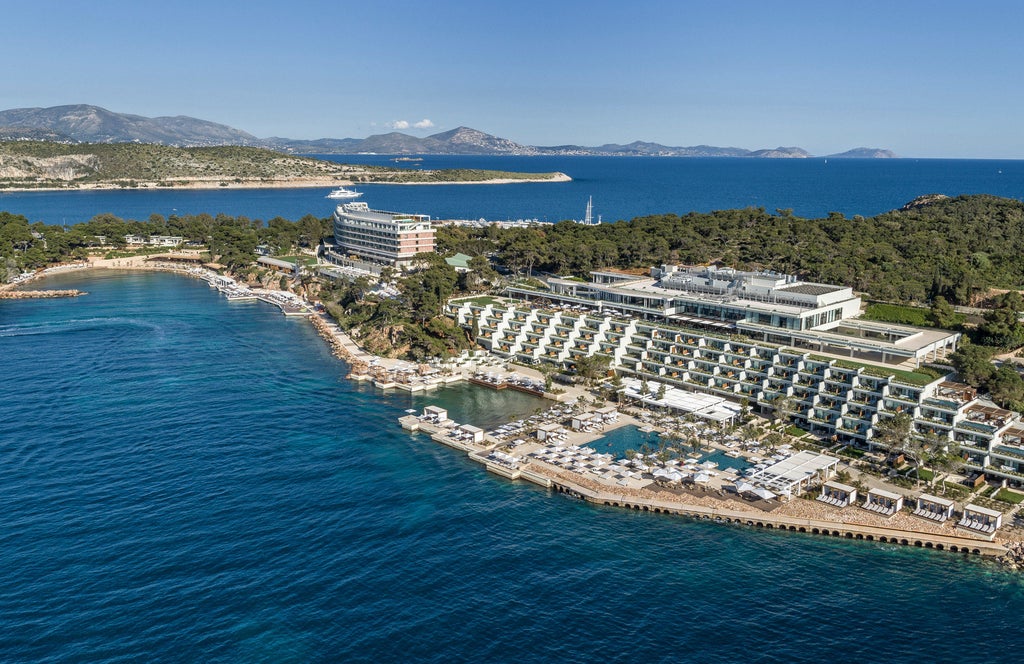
764, 494
702, 478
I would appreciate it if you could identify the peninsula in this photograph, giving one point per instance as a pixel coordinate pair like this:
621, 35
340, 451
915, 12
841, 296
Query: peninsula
48, 165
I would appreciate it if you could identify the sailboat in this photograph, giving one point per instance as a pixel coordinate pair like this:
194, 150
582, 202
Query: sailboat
588, 220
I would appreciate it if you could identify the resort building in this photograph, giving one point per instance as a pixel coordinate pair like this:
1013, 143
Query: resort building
278, 265
776, 308
153, 240
759, 339
381, 237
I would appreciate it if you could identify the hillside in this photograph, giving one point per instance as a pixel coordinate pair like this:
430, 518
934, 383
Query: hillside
93, 124
864, 153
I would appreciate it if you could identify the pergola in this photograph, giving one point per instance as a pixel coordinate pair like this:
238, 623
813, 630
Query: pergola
796, 472
705, 406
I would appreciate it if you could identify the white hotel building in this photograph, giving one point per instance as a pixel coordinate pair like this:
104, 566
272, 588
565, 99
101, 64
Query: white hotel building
381, 237
756, 337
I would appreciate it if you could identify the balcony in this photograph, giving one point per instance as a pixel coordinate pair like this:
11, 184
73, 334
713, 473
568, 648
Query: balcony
1015, 452
932, 418
973, 446
978, 427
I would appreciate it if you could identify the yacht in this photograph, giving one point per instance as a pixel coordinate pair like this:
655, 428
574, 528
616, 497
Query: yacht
342, 192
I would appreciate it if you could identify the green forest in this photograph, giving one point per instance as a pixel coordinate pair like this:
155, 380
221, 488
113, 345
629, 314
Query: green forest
948, 251
956, 248
25, 246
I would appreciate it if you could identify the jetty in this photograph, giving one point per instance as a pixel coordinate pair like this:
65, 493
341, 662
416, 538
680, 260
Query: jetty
38, 294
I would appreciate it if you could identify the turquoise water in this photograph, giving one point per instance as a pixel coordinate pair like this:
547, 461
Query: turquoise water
622, 188
628, 437
724, 461
185, 479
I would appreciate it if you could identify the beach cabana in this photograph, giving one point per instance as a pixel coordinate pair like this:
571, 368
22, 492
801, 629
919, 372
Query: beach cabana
933, 508
608, 414
583, 420
980, 519
547, 431
476, 434
883, 502
435, 414
837, 494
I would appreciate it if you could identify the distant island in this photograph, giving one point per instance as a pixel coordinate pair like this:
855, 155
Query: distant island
84, 123
26, 164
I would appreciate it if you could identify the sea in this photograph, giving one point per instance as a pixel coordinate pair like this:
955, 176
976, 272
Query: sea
621, 187
187, 479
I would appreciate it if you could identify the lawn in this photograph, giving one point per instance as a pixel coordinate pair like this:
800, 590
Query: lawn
481, 300
301, 260
1007, 496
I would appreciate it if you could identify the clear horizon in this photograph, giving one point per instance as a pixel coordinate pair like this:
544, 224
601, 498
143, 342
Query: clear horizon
923, 79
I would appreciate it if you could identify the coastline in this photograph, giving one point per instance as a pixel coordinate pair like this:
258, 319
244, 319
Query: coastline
559, 177
299, 183
798, 515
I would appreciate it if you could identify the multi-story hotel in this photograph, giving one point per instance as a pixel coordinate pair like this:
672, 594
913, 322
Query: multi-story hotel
381, 237
756, 337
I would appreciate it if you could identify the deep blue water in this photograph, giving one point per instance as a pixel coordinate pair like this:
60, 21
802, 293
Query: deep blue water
185, 479
622, 188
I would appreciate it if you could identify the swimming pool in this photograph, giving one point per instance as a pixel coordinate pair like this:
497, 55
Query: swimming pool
630, 437
724, 461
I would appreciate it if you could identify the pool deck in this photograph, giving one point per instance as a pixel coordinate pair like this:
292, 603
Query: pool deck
710, 503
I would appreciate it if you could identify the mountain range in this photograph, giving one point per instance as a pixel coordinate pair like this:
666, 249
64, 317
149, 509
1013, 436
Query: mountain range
92, 124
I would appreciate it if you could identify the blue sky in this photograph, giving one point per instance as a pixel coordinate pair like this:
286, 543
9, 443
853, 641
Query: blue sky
925, 79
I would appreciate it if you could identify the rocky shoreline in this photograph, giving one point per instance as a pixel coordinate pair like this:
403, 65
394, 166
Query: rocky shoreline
1013, 559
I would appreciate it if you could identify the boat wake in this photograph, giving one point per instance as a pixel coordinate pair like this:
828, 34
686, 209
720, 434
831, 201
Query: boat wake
77, 325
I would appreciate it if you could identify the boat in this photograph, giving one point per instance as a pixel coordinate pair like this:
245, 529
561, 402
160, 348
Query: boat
588, 220
342, 192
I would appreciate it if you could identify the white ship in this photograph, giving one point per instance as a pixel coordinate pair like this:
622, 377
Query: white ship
342, 192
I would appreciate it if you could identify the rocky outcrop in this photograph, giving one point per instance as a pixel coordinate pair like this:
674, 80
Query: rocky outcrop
1014, 557
924, 201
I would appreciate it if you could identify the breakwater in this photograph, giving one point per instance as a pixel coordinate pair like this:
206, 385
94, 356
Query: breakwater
38, 294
